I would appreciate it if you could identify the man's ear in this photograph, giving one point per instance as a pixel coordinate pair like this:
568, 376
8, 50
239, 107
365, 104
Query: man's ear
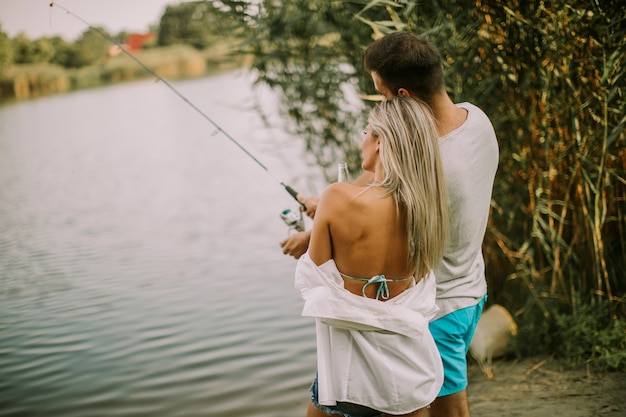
403, 92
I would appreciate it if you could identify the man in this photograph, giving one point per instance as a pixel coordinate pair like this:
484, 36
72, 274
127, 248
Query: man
403, 64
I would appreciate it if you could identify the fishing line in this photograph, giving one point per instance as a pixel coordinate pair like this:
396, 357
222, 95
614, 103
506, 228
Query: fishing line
218, 129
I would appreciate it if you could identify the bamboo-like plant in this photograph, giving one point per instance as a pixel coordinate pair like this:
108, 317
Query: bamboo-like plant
551, 77
554, 81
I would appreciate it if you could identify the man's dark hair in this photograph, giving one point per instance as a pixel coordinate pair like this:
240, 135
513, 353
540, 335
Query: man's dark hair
404, 60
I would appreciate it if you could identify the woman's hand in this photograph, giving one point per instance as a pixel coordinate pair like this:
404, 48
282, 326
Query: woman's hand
297, 244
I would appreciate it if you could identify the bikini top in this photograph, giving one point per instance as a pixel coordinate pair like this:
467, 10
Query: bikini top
383, 288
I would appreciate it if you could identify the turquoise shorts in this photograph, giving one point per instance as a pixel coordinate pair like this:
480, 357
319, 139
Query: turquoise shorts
453, 334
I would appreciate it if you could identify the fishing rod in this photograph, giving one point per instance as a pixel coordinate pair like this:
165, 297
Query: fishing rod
217, 127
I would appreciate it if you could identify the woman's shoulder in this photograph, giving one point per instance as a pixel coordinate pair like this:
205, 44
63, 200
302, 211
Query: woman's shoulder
338, 196
340, 189
342, 192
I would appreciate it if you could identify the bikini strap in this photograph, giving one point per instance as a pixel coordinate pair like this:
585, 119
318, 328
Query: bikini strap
383, 288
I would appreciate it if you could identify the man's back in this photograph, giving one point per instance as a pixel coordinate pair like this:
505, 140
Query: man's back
470, 160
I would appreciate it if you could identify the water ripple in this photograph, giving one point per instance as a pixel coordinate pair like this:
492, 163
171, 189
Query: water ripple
140, 273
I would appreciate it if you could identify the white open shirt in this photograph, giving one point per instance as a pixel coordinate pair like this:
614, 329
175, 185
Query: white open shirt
379, 354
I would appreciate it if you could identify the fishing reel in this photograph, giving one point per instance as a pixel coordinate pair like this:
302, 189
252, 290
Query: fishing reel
292, 220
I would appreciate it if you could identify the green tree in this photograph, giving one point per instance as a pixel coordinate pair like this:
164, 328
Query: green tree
6, 51
200, 24
23, 49
188, 23
90, 48
43, 50
32, 52
311, 52
64, 52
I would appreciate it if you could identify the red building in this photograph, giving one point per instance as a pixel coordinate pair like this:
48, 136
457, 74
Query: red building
135, 41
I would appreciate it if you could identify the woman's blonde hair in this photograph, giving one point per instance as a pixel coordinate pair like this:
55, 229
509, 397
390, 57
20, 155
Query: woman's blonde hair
413, 175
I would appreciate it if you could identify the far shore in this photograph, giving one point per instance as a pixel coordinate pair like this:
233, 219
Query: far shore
23, 82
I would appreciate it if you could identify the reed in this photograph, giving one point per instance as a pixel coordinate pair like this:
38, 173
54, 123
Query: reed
552, 80
27, 81
559, 202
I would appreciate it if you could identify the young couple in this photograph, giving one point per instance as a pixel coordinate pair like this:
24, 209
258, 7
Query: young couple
392, 268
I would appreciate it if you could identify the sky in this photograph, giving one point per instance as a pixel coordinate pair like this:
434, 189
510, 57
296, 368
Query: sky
37, 19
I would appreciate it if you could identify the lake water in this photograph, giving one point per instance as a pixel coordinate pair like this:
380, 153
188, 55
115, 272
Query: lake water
140, 272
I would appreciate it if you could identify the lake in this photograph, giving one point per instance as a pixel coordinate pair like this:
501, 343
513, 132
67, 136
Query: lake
140, 271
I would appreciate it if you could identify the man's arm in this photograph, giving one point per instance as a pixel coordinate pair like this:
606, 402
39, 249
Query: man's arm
310, 204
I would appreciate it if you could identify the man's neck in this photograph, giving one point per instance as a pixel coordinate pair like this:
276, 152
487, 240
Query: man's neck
449, 116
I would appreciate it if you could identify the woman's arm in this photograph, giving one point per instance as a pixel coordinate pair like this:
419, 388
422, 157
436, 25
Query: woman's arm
296, 244
320, 246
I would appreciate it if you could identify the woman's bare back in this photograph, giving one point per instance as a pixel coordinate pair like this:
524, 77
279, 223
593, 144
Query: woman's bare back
368, 237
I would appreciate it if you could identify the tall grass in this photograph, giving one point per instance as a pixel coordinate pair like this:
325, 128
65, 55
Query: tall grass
551, 76
559, 109
26, 81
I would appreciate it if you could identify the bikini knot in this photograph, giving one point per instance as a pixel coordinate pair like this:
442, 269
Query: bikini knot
383, 289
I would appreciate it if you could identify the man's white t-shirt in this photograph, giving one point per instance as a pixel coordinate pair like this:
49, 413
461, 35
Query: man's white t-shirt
470, 160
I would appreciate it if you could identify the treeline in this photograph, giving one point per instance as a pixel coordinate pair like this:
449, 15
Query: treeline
90, 48
187, 42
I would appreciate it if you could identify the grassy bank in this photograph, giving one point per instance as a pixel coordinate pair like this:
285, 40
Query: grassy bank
23, 82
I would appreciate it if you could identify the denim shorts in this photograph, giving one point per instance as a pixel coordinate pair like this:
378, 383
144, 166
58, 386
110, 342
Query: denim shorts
342, 409
453, 334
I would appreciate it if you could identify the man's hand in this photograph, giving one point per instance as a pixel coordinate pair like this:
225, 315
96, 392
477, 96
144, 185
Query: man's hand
296, 244
310, 204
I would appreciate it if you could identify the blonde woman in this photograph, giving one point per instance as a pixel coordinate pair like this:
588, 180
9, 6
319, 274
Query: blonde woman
367, 278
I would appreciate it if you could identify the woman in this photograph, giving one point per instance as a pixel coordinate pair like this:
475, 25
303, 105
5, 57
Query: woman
367, 279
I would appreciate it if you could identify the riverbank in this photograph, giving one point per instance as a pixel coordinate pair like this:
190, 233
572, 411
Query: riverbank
22, 82
544, 387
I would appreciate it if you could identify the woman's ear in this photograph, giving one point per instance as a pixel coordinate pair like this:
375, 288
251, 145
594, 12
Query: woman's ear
403, 92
